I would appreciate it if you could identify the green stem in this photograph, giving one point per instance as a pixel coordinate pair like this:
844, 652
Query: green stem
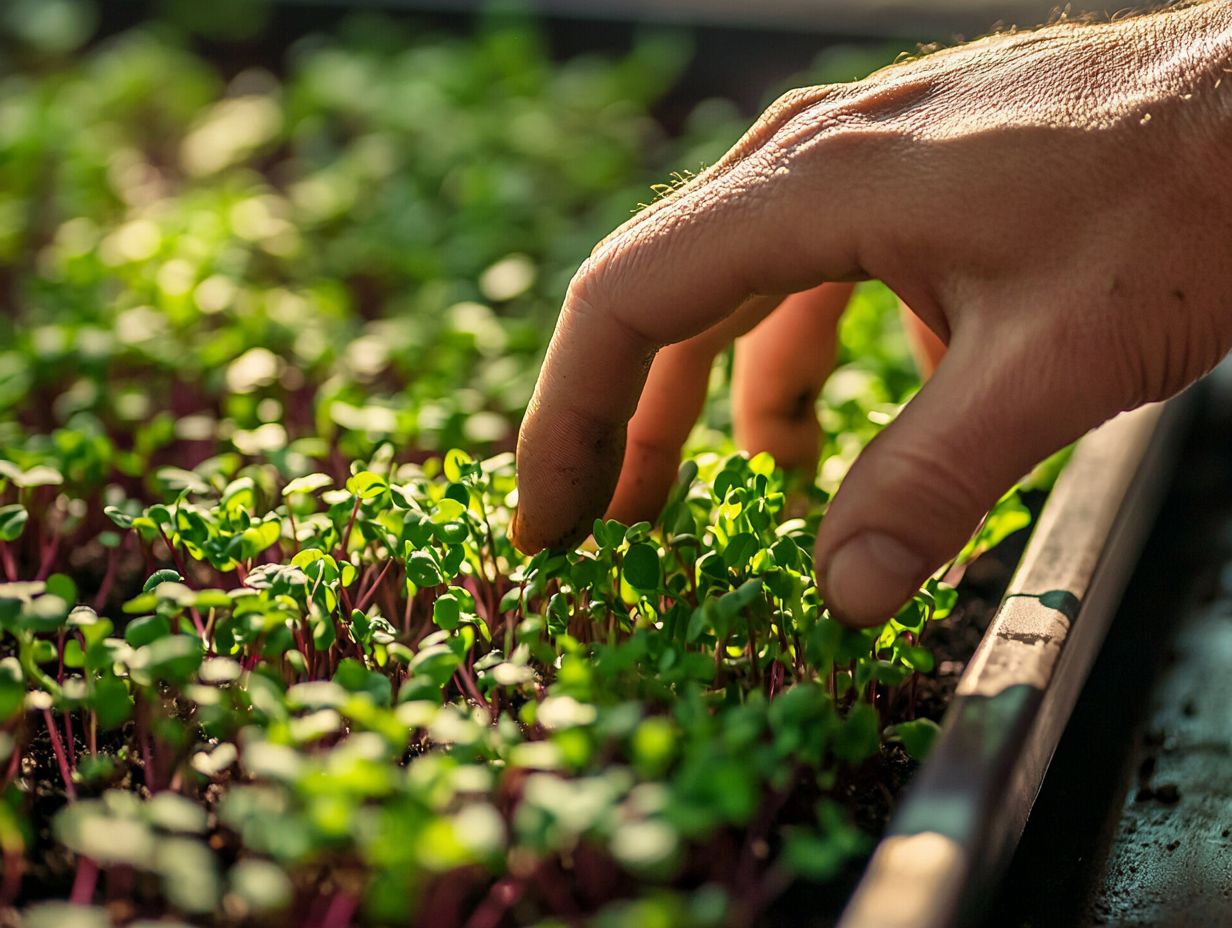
25, 656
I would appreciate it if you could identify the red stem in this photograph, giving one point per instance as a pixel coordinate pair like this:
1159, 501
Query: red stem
11, 770
468, 684
147, 758
49, 555
504, 894
368, 594
6, 558
104, 588
346, 536
338, 915
183, 570
68, 738
390, 601
143, 739
10, 877
58, 748
776, 678
84, 882
175, 556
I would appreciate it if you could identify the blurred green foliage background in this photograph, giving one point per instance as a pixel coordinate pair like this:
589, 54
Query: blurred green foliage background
364, 238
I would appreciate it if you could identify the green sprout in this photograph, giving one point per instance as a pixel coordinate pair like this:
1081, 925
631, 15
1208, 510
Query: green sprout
267, 653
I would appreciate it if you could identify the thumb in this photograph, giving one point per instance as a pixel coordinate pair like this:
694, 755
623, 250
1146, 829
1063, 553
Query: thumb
997, 404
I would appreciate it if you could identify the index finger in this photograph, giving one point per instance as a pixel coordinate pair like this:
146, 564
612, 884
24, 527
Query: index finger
670, 276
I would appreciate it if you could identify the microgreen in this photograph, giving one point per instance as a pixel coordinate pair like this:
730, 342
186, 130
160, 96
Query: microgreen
386, 663
267, 653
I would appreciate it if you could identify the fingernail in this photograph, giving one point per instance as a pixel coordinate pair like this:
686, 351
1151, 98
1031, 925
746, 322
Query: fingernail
870, 577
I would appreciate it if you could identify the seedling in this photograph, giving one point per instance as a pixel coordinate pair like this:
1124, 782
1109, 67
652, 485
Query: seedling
382, 678
266, 651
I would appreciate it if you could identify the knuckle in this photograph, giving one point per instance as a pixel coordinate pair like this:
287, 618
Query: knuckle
795, 101
587, 282
859, 120
790, 106
594, 292
847, 139
595, 287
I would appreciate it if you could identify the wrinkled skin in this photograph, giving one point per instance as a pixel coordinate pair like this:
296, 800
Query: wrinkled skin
1056, 206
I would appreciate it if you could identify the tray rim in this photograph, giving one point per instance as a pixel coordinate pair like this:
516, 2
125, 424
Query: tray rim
960, 820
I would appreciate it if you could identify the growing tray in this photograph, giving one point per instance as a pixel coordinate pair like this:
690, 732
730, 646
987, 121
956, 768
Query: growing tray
959, 822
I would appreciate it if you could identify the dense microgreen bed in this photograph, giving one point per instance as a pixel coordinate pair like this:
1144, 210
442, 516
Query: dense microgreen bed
364, 695
266, 653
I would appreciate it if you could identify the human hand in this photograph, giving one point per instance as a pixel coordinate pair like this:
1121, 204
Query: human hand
779, 369
1054, 205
